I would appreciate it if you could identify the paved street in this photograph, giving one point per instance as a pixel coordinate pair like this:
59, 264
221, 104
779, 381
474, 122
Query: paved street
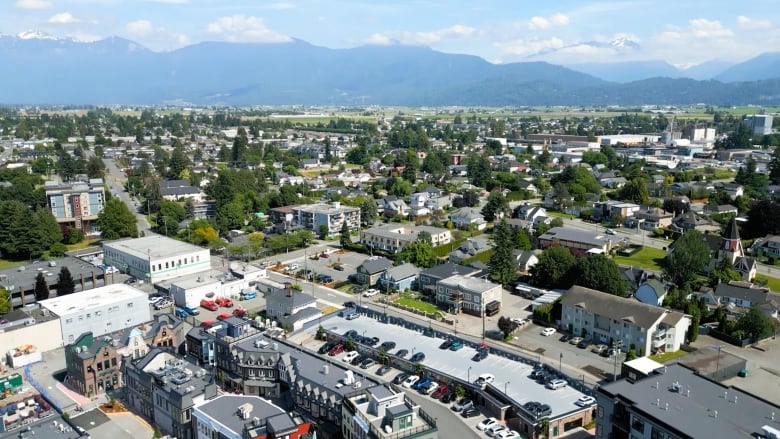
116, 179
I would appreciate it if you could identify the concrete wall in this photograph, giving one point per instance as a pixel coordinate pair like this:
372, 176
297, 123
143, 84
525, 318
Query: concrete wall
105, 318
45, 336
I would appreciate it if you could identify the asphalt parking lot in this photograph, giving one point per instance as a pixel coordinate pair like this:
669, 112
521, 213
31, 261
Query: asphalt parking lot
350, 261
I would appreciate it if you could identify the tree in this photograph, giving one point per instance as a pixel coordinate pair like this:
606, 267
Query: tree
178, 162
41, 287
506, 326
689, 254
344, 239
478, 170
553, 267
5, 301
418, 253
755, 324
425, 237
240, 144
116, 221
763, 219
368, 212
723, 272
65, 283
496, 206
600, 273
522, 240
502, 263
676, 205
774, 167
635, 191
322, 231
230, 216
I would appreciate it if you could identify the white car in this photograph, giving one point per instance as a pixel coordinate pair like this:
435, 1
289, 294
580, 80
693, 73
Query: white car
519, 321
371, 292
111, 269
548, 332
494, 429
507, 434
349, 356
486, 423
585, 401
484, 379
431, 388
409, 382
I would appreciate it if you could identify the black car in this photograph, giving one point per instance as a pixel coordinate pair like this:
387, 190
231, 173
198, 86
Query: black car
338, 267
383, 370
357, 360
450, 396
402, 353
470, 413
324, 278
386, 346
350, 304
446, 344
400, 378
565, 338
417, 358
366, 363
374, 341
480, 355
326, 347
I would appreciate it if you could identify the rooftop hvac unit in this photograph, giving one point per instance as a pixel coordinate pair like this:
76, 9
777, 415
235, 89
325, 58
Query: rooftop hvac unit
325, 369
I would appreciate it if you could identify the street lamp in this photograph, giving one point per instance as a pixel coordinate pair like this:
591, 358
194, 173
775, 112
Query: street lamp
468, 375
717, 362
505, 384
560, 363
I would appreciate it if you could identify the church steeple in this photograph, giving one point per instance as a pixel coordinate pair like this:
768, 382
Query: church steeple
730, 241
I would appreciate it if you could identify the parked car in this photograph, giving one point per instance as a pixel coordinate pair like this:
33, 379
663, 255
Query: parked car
350, 304
575, 340
326, 347
480, 355
180, 313
494, 429
463, 404
610, 352
599, 348
239, 312
324, 255
410, 381
422, 383
338, 267
324, 278
223, 302
402, 353
246, 295
548, 332
442, 390
209, 305
400, 378
585, 400
164, 303
470, 412
224, 316
450, 396
387, 346
456, 345
370, 292
190, 310
446, 344
429, 388
565, 338
417, 357
519, 321
609, 231
351, 314
207, 323
507, 434
366, 363
383, 370
484, 379
486, 423
357, 360
339, 348
583, 344
556, 384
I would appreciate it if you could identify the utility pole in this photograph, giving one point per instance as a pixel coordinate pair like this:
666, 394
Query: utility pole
617, 345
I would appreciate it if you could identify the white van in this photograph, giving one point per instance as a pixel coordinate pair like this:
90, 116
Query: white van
556, 384
349, 356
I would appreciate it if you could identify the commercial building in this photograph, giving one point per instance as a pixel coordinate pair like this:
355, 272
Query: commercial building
381, 412
467, 294
100, 311
623, 322
759, 124
579, 242
31, 326
155, 258
190, 289
240, 416
393, 237
675, 402
431, 276
76, 204
165, 389
20, 281
93, 365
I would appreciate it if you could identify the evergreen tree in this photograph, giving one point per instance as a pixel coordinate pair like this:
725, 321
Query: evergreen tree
65, 283
177, 163
522, 240
502, 262
495, 207
368, 212
116, 221
41, 287
345, 240
5, 301
774, 167
240, 144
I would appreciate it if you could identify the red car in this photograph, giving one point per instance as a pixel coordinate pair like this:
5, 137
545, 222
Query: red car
209, 305
206, 323
440, 391
239, 312
339, 348
224, 316
224, 302
324, 255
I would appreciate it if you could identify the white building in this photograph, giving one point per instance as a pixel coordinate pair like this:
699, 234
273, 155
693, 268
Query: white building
155, 258
100, 310
760, 124
191, 289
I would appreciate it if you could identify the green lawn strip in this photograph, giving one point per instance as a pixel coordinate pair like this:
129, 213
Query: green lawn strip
559, 214
483, 257
649, 258
83, 244
418, 304
667, 356
772, 283
5, 263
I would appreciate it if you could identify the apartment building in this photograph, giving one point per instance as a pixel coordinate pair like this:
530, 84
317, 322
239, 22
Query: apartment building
393, 237
76, 204
332, 216
381, 412
468, 294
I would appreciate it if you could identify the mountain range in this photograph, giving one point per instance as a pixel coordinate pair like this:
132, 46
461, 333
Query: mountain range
41, 69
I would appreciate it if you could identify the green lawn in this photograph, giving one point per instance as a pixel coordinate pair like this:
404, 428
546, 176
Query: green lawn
667, 356
772, 283
83, 244
559, 214
418, 304
5, 263
483, 257
649, 258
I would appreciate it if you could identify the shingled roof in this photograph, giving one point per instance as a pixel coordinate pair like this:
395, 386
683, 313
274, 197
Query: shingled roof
616, 308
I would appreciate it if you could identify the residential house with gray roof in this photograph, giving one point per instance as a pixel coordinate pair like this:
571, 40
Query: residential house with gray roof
738, 297
626, 322
431, 276
399, 278
579, 242
652, 292
369, 272
468, 218
291, 308
468, 249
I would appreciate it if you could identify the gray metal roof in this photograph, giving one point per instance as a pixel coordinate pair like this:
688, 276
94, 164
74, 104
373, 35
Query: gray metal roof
446, 270
403, 271
693, 414
614, 307
376, 265
294, 300
575, 235
224, 409
743, 291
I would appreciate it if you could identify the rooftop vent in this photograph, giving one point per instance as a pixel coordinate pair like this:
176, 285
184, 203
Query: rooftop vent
245, 411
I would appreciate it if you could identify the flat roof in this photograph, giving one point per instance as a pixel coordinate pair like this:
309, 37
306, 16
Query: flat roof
473, 284
644, 365
325, 208
224, 409
207, 277
576, 235
692, 408
24, 275
156, 246
91, 298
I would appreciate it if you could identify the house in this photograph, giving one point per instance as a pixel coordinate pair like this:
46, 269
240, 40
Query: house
468, 249
529, 187
393, 237
369, 272
723, 209
731, 252
525, 260
310, 163
734, 190
399, 278
516, 224
619, 321
579, 242
431, 276
767, 246
174, 190
613, 209
291, 308
739, 297
613, 182
535, 214
468, 218
634, 276
285, 178
394, 206
691, 221
651, 219
651, 292
243, 416
467, 294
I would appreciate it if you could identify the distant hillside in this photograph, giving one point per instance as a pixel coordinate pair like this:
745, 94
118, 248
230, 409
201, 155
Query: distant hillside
118, 71
764, 66
629, 71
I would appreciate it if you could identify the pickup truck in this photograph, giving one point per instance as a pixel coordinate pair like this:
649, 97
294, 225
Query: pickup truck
209, 305
224, 302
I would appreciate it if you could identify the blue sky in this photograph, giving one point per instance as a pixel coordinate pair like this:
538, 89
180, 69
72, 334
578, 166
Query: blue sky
682, 32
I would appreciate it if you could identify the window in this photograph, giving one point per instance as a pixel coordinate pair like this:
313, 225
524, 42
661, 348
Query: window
68, 320
113, 361
600, 411
130, 305
638, 425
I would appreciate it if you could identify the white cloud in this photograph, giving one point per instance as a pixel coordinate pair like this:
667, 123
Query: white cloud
521, 47
63, 18
242, 28
33, 4
554, 20
421, 38
750, 23
139, 28
703, 28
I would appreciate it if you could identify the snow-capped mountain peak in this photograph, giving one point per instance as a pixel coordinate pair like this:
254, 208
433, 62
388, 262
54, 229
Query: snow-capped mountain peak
623, 42
35, 35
